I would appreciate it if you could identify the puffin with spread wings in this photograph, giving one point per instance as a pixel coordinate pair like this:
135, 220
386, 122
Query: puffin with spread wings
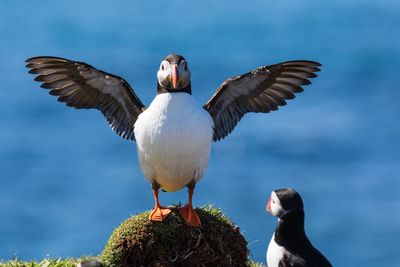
174, 133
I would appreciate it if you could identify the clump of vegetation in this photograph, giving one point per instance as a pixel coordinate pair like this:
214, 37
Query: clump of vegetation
254, 264
139, 242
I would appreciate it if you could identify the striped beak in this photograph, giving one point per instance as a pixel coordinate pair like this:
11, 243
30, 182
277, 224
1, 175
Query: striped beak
269, 206
175, 76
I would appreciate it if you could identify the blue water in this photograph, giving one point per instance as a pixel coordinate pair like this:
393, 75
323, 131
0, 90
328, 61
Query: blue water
66, 180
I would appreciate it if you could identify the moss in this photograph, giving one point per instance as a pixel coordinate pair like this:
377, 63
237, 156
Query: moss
140, 242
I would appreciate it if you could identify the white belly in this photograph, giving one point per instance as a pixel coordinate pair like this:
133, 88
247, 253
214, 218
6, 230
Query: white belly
173, 139
274, 253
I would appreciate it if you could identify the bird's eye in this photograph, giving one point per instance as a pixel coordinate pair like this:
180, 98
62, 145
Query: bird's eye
186, 67
162, 67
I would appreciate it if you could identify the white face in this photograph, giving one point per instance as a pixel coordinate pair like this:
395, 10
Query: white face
165, 74
274, 205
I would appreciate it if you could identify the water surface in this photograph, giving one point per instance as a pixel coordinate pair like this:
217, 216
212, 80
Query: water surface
66, 180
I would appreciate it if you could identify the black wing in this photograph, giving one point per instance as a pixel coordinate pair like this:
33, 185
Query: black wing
290, 260
80, 85
261, 90
315, 259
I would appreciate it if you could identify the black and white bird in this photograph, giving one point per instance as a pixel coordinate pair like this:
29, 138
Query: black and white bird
174, 133
289, 245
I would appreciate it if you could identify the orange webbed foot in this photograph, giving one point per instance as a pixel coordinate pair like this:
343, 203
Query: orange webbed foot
190, 216
159, 214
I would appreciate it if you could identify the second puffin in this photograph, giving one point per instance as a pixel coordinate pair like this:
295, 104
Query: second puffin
174, 134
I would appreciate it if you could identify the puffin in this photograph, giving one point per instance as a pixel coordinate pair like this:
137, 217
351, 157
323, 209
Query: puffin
289, 245
174, 133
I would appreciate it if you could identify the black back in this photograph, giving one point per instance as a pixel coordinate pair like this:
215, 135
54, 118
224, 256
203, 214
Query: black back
289, 199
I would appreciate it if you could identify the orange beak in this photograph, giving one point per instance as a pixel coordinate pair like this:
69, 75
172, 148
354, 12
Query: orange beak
269, 206
175, 76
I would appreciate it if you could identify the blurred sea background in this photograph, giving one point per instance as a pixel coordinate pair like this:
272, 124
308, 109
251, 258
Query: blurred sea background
66, 179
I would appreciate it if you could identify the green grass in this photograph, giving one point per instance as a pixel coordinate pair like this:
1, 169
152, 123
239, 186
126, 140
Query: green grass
255, 264
70, 262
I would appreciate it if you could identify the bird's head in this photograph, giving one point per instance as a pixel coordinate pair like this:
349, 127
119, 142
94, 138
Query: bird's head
174, 74
283, 201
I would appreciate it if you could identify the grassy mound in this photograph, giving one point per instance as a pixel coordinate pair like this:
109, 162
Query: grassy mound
139, 242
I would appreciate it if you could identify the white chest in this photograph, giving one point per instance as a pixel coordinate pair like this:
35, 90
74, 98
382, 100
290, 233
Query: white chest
274, 253
173, 140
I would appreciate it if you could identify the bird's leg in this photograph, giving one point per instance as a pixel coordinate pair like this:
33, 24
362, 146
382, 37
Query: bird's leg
187, 212
159, 212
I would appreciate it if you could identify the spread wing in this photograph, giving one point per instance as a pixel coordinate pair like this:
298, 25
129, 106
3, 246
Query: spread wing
80, 85
261, 90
